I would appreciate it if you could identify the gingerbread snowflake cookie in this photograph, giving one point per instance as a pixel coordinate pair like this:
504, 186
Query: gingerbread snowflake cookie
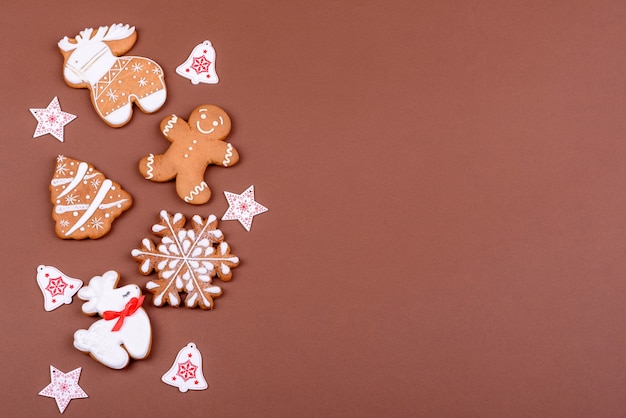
95, 60
85, 201
196, 144
186, 260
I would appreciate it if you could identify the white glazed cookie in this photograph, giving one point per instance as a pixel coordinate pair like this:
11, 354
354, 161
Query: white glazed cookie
124, 330
95, 61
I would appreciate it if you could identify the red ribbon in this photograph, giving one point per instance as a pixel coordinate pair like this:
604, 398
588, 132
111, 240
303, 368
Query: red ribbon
130, 308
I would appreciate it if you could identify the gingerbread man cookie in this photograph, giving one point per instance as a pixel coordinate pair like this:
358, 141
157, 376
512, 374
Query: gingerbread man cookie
195, 145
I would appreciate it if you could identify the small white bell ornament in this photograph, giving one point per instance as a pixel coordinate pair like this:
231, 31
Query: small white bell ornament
200, 66
57, 288
186, 372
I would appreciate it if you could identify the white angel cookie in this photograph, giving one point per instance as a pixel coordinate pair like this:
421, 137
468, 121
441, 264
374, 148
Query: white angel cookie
124, 330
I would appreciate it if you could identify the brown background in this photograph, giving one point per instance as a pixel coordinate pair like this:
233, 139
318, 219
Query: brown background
446, 184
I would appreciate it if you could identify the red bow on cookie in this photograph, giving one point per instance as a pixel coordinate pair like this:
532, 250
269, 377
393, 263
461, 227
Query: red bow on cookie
130, 308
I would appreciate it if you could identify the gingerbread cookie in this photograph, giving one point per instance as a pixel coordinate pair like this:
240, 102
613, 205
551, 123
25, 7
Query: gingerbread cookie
186, 260
124, 330
85, 201
195, 145
95, 61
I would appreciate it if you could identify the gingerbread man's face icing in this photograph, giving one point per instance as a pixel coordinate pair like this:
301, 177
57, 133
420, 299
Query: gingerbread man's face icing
210, 120
195, 145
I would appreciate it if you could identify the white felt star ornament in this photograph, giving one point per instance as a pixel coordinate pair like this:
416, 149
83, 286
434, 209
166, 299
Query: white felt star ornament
63, 387
51, 120
243, 207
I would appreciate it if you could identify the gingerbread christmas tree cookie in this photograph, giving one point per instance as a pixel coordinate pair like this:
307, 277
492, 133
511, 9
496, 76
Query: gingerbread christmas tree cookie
85, 201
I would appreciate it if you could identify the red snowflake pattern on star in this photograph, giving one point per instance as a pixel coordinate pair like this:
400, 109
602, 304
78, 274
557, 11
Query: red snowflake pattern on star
243, 207
187, 370
56, 286
51, 120
63, 387
201, 64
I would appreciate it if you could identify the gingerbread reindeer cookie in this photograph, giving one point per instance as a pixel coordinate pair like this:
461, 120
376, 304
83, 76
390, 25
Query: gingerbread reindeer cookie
195, 145
95, 61
124, 331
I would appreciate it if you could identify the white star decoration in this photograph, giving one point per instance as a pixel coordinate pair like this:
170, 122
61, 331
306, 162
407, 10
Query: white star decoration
242, 207
51, 120
63, 387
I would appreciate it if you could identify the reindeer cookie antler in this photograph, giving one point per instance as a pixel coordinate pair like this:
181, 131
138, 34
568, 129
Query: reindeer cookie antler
95, 61
115, 32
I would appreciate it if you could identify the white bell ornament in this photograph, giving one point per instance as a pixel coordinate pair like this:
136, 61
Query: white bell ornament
57, 288
200, 65
186, 372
